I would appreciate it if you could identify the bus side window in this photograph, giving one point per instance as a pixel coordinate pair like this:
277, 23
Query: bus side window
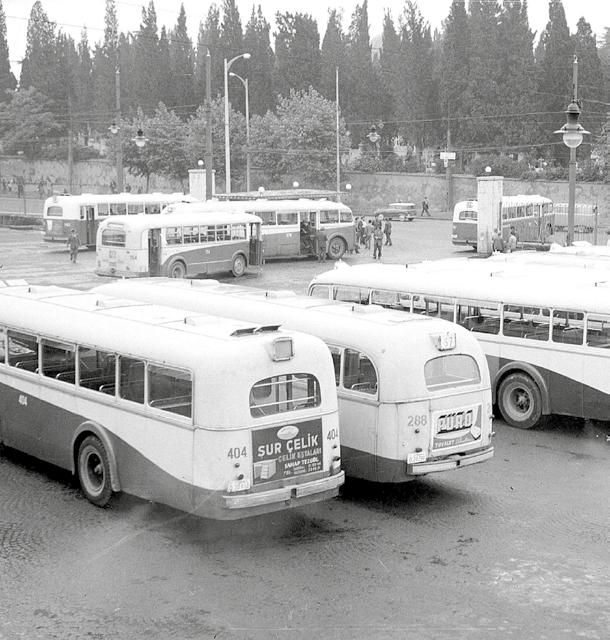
131, 379
568, 327
387, 299
320, 291
335, 352
170, 390
96, 369
359, 373
598, 331
58, 359
479, 317
173, 235
2, 346
22, 350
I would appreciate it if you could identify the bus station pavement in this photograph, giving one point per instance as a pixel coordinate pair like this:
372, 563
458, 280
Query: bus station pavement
516, 548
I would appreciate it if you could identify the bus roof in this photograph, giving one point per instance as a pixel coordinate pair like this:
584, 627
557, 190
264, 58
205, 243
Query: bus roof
340, 323
481, 280
262, 204
178, 219
96, 198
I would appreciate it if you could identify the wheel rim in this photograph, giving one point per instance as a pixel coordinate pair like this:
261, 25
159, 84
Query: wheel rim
239, 265
177, 271
519, 404
336, 247
92, 471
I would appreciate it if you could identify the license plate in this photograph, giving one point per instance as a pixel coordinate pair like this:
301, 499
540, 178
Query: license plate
413, 458
238, 485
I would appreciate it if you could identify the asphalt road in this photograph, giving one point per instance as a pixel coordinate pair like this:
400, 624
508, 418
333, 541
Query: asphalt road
515, 548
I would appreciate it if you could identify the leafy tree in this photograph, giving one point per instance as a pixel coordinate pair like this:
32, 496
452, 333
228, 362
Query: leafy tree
8, 82
196, 137
28, 123
332, 55
455, 67
297, 53
39, 64
182, 67
209, 37
260, 66
299, 140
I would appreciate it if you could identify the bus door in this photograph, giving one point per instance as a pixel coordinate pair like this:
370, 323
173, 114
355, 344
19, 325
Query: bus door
255, 259
307, 240
87, 213
289, 234
154, 252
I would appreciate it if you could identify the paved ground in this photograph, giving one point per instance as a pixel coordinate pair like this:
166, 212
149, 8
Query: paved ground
513, 549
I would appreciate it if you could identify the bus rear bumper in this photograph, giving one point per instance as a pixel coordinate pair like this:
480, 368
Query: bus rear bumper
296, 494
454, 461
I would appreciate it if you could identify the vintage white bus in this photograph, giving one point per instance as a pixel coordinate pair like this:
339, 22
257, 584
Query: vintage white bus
547, 338
220, 418
414, 394
62, 213
289, 226
178, 245
527, 213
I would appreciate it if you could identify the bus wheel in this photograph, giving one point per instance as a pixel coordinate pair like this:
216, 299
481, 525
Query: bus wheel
94, 471
520, 401
336, 248
239, 265
177, 270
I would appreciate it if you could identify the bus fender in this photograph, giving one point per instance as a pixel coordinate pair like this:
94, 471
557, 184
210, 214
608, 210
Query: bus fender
92, 428
532, 372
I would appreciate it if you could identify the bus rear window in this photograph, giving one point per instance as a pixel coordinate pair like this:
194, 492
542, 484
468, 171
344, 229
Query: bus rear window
450, 371
55, 211
467, 215
113, 237
284, 393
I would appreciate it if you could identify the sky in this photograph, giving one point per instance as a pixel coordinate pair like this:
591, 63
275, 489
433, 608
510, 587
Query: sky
72, 15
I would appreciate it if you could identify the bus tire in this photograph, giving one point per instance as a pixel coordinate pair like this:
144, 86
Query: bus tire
336, 248
177, 270
239, 265
93, 468
520, 401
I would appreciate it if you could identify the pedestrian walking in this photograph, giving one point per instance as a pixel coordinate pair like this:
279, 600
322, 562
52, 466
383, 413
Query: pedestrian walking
497, 242
321, 240
377, 242
387, 231
425, 209
73, 244
368, 234
359, 230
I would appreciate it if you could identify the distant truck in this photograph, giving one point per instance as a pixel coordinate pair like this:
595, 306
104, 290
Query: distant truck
403, 211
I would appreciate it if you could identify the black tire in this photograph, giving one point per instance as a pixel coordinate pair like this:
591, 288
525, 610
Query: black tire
177, 270
520, 401
239, 265
93, 471
336, 248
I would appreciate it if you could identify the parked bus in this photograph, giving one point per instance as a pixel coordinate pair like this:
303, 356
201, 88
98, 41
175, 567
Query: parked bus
220, 418
289, 226
414, 394
527, 213
547, 339
178, 245
83, 213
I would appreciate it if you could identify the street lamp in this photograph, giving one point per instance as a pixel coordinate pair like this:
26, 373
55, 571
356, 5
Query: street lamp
244, 81
140, 139
572, 133
228, 64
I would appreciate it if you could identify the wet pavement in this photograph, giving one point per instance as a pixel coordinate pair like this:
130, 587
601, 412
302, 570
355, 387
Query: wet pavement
514, 548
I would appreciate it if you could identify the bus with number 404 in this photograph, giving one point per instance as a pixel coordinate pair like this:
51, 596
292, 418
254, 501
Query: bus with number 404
414, 394
216, 417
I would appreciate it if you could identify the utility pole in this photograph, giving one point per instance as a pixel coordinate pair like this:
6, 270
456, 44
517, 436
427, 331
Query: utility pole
337, 125
449, 169
572, 163
118, 143
70, 152
209, 155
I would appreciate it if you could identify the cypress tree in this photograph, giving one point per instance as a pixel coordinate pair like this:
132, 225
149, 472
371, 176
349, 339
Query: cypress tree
260, 66
209, 36
8, 82
39, 64
391, 76
182, 67
147, 62
231, 45
332, 55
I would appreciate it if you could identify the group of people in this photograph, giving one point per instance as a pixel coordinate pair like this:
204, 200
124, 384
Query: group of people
313, 241
373, 231
499, 245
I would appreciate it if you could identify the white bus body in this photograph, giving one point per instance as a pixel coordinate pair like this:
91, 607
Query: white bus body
546, 332
178, 245
62, 213
414, 393
213, 416
283, 224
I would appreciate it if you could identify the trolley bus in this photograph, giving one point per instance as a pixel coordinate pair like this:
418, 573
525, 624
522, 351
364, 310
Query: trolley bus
547, 338
178, 245
136, 398
62, 213
289, 226
527, 213
414, 394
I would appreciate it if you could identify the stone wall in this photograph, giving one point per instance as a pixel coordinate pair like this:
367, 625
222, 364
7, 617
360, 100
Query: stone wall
372, 190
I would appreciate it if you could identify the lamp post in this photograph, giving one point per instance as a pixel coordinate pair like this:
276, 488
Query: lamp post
228, 64
114, 128
140, 139
244, 81
572, 134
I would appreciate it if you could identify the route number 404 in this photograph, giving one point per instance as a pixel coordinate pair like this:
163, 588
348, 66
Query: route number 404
237, 452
